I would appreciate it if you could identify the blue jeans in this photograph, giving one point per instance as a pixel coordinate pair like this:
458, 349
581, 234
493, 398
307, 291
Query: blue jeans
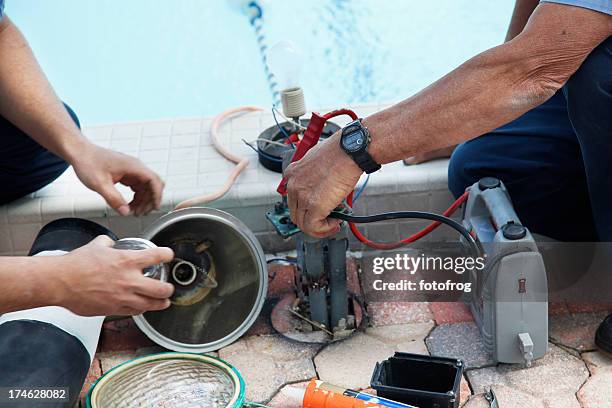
25, 166
556, 160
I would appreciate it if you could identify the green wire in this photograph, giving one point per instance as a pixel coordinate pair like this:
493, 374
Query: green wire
254, 404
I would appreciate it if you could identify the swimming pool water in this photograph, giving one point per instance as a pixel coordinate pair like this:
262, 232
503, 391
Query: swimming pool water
148, 59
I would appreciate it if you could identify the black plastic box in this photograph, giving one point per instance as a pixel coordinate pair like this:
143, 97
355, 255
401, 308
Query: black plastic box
422, 381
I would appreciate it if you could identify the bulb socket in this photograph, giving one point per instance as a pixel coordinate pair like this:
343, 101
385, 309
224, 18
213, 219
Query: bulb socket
293, 102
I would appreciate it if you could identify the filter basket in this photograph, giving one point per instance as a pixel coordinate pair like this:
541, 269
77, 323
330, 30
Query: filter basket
215, 307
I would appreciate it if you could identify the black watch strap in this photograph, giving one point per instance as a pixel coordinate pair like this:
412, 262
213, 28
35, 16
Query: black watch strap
366, 162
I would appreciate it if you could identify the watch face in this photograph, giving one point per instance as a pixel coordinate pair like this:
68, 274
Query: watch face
354, 142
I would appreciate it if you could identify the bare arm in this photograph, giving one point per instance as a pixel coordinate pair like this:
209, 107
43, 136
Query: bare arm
494, 87
484, 93
29, 102
23, 282
94, 280
522, 11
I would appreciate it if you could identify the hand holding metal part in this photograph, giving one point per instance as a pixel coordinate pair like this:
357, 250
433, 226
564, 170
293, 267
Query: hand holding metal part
96, 279
319, 178
192, 278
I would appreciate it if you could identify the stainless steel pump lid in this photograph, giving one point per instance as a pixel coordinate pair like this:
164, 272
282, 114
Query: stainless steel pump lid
220, 278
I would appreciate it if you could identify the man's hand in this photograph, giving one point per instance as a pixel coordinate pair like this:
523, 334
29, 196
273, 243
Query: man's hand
317, 184
100, 169
97, 280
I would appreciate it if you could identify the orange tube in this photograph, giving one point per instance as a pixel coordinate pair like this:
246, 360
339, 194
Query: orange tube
318, 396
241, 162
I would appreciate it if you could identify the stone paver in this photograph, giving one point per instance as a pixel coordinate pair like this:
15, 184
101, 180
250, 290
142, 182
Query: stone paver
461, 340
123, 335
272, 364
263, 324
554, 379
576, 331
464, 391
597, 361
476, 401
286, 398
408, 338
507, 397
597, 391
557, 308
389, 313
269, 362
95, 371
450, 312
350, 363
589, 307
110, 359
282, 279
352, 276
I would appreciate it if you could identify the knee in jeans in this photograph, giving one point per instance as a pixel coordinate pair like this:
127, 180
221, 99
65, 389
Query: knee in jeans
459, 177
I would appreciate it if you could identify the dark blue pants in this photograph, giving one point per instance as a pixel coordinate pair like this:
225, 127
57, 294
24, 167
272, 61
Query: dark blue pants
25, 166
556, 160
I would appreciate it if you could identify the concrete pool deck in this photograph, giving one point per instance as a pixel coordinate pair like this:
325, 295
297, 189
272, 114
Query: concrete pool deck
573, 374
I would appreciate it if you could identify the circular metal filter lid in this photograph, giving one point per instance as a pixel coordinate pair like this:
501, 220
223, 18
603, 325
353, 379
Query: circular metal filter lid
177, 380
223, 300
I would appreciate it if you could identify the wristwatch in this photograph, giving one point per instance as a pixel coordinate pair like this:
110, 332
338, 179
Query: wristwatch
354, 141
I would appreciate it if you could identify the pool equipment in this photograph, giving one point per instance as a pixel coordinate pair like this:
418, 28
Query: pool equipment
220, 278
159, 271
509, 299
419, 380
51, 346
169, 380
509, 302
323, 303
286, 62
319, 394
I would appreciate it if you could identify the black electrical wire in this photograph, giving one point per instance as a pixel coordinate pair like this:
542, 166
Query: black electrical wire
421, 215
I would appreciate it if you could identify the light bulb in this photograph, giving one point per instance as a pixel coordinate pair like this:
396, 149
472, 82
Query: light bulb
286, 60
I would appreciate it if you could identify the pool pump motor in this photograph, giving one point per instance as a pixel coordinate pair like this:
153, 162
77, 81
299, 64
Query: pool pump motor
509, 298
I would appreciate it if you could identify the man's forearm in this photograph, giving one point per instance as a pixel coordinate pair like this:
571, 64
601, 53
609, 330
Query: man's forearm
28, 282
28, 100
492, 88
482, 94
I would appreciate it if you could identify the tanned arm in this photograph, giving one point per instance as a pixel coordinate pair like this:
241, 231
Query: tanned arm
522, 11
30, 103
488, 91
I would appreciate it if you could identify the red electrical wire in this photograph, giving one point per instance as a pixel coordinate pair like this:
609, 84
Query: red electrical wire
410, 239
